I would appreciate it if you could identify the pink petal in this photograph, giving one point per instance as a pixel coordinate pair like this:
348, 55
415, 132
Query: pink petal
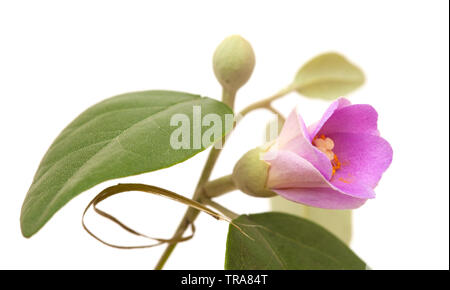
336, 105
321, 197
289, 171
352, 119
294, 138
293, 126
363, 159
301, 173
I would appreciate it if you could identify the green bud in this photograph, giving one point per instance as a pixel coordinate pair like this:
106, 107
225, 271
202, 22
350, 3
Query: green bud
233, 62
250, 174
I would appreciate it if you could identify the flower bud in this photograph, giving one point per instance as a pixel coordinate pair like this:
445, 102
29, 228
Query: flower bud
233, 62
250, 174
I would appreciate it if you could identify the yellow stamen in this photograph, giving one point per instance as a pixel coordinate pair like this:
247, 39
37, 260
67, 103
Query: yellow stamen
326, 145
329, 144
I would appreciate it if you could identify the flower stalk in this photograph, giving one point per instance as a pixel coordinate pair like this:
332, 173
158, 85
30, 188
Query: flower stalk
191, 214
219, 186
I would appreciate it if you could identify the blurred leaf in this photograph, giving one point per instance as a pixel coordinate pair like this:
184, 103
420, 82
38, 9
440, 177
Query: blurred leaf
338, 222
125, 135
281, 241
328, 76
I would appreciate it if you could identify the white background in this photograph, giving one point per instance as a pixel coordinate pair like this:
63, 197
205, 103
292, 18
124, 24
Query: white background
57, 58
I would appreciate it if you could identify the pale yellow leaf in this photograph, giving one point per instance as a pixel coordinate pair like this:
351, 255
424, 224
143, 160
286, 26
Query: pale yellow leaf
328, 76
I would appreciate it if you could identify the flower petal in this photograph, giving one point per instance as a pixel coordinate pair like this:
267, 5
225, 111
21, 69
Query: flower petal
294, 138
336, 105
293, 126
321, 197
352, 119
363, 159
288, 171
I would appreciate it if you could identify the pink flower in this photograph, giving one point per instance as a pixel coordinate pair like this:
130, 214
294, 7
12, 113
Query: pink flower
335, 163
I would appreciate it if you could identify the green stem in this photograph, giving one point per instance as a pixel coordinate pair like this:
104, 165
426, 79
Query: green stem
228, 97
276, 112
232, 215
219, 186
191, 213
266, 103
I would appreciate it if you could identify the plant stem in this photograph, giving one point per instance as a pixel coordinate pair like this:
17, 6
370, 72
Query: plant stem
275, 111
191, 213
207, 201
266, 103
219, 186
228, 97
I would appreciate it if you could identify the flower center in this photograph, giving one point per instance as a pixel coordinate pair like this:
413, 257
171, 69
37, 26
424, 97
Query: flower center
326, 145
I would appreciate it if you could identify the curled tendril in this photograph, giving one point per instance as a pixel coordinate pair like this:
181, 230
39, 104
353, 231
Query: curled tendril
119, 188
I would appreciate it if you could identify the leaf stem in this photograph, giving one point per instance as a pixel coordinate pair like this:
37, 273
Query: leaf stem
266, 103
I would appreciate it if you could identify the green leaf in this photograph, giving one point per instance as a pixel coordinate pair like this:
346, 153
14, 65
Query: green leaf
282, 241
328, 76
125, 135
338, 222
